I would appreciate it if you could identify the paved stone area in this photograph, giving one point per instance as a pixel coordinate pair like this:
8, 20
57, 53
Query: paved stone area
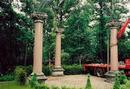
78, 81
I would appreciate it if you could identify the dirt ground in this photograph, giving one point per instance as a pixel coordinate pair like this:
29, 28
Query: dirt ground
78, 81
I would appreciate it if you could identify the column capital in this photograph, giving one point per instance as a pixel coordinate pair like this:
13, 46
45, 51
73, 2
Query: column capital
114, 24
59, 30
39, 16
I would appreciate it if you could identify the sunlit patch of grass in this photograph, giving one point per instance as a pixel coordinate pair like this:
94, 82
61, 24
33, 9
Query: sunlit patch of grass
12, 85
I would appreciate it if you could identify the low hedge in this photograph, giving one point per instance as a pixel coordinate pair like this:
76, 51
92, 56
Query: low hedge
68, 69
9, 77
29, 69
47, 70
72, 69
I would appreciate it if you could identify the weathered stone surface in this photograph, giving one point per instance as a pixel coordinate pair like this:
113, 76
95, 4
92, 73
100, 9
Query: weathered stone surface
38, 43
114, 24
39, 16
113, 51
58, 70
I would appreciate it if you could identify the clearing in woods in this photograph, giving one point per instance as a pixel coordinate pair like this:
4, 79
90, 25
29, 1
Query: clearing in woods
78, 81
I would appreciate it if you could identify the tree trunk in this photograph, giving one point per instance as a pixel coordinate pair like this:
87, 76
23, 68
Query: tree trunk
26, 54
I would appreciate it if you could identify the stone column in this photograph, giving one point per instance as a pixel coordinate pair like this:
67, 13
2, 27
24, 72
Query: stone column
113, 49
38, 43
58, 70
113, 45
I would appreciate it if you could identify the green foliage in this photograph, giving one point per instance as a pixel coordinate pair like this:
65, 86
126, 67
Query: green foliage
122, 78
88, 84
64, 87
33, 80
28, 69
77, 36
54, 87
16, 36
81, 41
124, 43
58, 13
65, 57
12, 85
61, 8
47, 70
9, 77
41, 86
117, 83
103, 14
126, 86
69, 3
28, 9
20, 75
49, 48
72, 69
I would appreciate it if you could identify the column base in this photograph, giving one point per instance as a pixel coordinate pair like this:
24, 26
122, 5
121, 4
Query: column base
58, 71
110, 76
40, 77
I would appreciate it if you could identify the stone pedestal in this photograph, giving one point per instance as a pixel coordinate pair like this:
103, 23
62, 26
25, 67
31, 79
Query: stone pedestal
38, 43
58, 70
110, 76
113, 51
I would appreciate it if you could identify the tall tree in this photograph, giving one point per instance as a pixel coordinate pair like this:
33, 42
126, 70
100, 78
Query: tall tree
58, 12
77, 36
106, 11
16, 37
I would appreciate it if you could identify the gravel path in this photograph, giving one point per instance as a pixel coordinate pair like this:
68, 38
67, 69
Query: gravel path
78, 81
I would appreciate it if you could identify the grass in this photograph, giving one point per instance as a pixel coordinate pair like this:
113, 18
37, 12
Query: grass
12, 85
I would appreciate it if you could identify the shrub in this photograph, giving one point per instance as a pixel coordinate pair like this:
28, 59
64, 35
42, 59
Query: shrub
47, 70
54, 87
126, 86
64, 87
41, 86
117, 83
20, 75
88, 85
65, 57
73, 69
28, 69
35, 84
122, 78
9, 77
33, 81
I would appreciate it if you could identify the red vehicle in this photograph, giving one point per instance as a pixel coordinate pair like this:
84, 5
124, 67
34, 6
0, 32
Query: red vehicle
101, 69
